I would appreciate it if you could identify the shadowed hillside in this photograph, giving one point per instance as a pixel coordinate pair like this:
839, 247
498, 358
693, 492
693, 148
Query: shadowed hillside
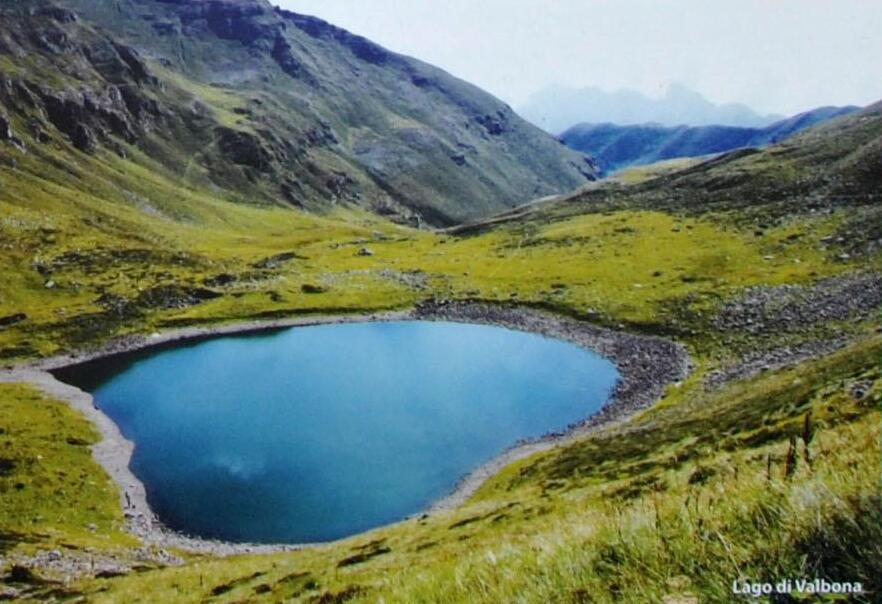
267, 106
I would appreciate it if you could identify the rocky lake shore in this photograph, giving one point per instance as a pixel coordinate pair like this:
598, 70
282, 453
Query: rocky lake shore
646, 365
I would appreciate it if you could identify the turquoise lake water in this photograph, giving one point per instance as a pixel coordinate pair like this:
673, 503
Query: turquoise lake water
314, 433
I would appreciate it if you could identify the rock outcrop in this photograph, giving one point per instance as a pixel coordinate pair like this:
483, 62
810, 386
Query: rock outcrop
5, 128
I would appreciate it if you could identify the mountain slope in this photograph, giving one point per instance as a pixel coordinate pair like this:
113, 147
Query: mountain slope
611, 516
121, 215
754, 261
557, 108
833, 167
615, 146
268, 106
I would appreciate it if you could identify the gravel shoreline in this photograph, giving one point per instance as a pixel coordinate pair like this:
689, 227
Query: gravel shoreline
646, 366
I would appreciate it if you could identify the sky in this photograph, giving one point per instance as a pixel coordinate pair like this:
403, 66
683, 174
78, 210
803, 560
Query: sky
777, 56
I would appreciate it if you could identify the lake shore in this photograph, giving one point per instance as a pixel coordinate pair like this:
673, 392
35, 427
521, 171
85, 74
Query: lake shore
646, 366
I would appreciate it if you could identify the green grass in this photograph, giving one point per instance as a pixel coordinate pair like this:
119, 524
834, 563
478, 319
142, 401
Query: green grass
627, 267
639, 174
672, 505
51, 490
677, 503
223, 103
96, 243
618, 513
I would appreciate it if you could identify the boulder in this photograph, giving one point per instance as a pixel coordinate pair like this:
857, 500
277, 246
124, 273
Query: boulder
174, 296
22, 574
83, 138
9, 320
5, 128
62, 15
244, 149
309, 288
40, 135
495, 125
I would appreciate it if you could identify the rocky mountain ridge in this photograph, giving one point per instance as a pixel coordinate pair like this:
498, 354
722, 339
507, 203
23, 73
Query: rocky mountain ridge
267, 106
617, 146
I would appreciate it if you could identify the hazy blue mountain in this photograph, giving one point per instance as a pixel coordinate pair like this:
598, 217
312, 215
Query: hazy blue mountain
616, 146
557, 108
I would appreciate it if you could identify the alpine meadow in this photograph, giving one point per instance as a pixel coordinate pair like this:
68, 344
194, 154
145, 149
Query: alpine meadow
177, 171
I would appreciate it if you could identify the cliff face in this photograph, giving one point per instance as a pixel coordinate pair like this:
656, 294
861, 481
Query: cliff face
269, 106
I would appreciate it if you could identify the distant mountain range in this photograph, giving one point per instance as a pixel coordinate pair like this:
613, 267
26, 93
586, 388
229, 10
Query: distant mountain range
616, 146
557, 108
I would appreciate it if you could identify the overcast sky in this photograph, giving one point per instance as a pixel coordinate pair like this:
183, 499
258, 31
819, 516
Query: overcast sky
778, 56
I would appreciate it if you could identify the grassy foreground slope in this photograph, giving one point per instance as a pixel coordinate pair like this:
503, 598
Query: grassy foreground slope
760, 466
768, 478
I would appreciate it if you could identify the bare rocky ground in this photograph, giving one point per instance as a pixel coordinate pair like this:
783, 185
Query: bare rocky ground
796, 310
787, 308
58, 567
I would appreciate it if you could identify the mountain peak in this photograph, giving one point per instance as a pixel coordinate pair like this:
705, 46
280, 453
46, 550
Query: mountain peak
557, 108
677, 90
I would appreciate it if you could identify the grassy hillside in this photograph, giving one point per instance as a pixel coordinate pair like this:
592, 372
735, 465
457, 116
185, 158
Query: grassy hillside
100, 246
266, 106
766, 478
134, 270
674, 504
763, 464
52, 490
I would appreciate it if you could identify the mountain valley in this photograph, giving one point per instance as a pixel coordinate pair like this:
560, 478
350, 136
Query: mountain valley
201, 167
